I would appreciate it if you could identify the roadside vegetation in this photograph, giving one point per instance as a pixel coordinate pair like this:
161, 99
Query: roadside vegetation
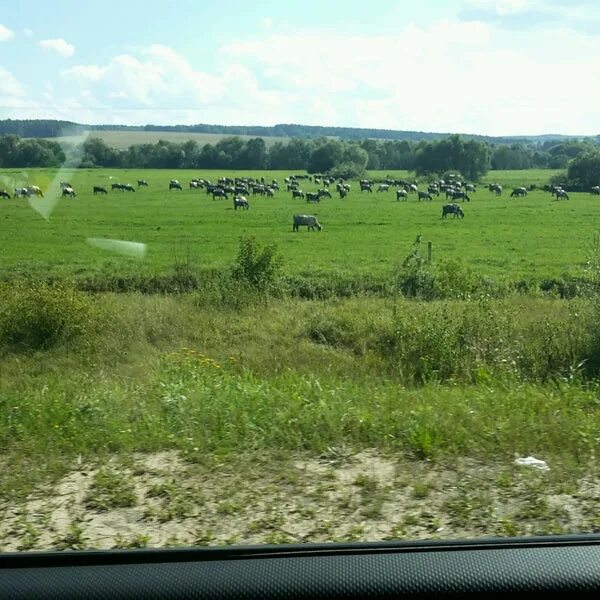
298, 378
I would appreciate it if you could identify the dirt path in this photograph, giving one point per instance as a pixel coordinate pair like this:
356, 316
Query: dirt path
163, 500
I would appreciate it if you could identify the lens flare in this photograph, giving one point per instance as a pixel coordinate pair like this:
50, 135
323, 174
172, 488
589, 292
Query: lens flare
131, 249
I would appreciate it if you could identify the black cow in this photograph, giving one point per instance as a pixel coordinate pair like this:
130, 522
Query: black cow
452, 209
424, 195
174, 185
313, 197
4, 194
519, 192
460, 196
219, 193
142, 183
98, 189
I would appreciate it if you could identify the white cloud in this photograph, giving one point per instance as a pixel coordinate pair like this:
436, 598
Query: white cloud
5, 33
463, 76
450, 76
505, 7
58, 45
9, 86
161, 85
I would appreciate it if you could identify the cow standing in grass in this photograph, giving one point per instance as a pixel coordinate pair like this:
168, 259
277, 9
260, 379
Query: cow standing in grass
452, 209
4, 194
240, 202
310, 221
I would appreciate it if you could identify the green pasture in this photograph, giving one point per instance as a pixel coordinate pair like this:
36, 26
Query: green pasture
502, 237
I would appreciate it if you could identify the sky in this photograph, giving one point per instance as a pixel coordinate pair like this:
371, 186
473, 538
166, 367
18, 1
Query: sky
492, 67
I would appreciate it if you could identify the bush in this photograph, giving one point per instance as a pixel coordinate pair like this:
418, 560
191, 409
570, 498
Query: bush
257, 266
37, 316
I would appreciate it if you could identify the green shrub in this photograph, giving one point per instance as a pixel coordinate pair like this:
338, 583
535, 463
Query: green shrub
37, 316
257, 266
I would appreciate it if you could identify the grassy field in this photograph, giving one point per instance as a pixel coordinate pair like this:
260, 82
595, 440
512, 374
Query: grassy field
534, 237
229, 413
123, 139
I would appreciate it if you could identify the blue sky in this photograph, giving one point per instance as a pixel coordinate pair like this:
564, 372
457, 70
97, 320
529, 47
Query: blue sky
473, 66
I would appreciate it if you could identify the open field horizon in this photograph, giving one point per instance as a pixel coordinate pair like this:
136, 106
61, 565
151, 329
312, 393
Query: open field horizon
501, 237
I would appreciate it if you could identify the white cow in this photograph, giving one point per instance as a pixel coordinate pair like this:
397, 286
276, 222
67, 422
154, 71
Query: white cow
310, 221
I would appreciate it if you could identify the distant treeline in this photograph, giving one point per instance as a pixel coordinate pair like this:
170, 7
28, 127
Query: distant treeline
54, 128
347, 158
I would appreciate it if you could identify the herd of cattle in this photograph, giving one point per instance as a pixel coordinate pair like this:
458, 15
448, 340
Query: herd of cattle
240, 188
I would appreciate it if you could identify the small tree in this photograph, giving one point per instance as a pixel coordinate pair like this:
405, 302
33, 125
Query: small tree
256, 265
584, 171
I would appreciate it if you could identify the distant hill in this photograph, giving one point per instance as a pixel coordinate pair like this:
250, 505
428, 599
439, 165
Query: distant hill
123, 138
48, 128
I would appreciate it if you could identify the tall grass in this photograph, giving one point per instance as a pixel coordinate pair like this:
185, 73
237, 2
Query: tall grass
428, 379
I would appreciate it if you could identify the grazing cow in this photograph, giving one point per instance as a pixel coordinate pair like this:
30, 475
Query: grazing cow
240, 202
324, 193
595, 191
343, 193
383, 187
495, 187
297, 194
561, 194
174, 185
142, 183
452, 209
412, 187
99, 189
313, 197
434, 189
310, 221
117, 186
219, 193
127, 187
34, 190
518, 192
424, 195
470, 187
4, 194
195, 185
460, 196
365, 186
21, 192
68, 191
401, 193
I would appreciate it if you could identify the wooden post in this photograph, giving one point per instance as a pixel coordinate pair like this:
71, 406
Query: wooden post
429, 252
